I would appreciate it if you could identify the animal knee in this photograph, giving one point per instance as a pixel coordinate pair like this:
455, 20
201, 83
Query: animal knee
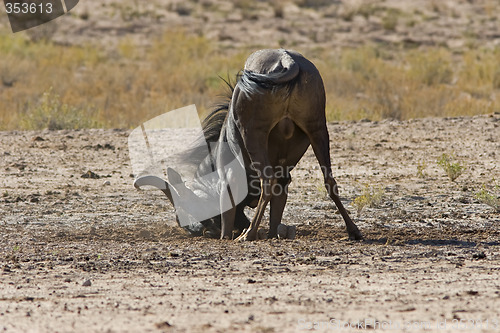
331, 186
280, 187
285, 181
267, 188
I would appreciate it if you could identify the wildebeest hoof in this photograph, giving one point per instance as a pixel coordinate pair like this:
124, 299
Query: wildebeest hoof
286, 232
282, 231
355, 235
291, 232
210, 234
246, 235
261, 234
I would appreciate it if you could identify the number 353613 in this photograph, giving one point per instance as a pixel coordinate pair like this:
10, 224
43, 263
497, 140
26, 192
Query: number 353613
28, 8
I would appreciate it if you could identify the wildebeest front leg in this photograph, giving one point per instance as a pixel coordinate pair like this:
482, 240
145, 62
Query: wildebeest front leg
227, 184
227, 216
320, 143
265, 197
278, 202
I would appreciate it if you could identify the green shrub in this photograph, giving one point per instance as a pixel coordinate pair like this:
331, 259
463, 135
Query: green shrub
390, 20
452, 168
490, 199
370, 197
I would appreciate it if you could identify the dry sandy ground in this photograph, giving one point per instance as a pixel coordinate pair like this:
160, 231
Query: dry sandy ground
430, 258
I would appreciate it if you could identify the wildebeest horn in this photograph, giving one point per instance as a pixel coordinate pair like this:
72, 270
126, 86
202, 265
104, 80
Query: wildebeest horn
155, 182
186, 198
177, 183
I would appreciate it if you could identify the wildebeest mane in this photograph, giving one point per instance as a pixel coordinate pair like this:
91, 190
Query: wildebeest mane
211, 128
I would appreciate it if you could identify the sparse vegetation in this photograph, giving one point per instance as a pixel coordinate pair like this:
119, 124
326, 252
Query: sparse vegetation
278, 8
364, 9
316, 4
370, 197
130, 83
421, 166
121, 88
390, 20
452, 168
491, 199
50, 113
374, 83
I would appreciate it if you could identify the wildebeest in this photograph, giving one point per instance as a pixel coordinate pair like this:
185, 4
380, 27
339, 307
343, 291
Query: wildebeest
276, 110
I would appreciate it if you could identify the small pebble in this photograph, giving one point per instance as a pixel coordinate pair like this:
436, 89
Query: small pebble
87, 283
91, 175
106, 183
163, 324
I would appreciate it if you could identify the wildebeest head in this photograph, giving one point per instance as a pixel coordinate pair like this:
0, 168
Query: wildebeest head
199, 206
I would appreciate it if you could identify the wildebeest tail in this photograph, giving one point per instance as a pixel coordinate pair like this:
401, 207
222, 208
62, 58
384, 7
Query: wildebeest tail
282, 72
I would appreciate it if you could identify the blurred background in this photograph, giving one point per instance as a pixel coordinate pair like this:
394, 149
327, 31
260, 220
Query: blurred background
116, 64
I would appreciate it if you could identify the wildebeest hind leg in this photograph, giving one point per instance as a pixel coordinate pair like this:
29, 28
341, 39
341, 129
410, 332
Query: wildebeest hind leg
320, 144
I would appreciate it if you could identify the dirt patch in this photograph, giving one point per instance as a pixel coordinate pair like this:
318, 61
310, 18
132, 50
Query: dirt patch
93, 254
